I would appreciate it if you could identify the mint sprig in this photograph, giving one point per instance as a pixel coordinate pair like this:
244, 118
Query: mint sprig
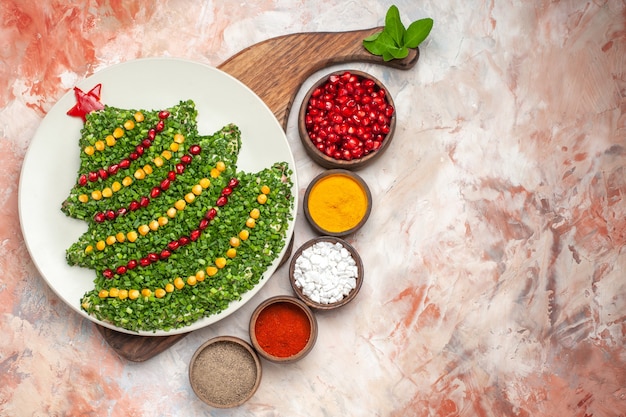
395, 40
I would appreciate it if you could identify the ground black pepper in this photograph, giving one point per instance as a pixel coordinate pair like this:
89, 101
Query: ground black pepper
224, 373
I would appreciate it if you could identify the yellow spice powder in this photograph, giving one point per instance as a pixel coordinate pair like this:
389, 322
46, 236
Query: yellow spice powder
337, 203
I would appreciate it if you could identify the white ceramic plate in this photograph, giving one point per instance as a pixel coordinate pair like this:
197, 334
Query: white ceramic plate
52, 161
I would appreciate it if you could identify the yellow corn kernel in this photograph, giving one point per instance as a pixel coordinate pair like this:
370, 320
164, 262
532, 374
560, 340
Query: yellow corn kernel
265, 189
107, 192
231, 253
140, 174
133, 294
118, 133
154, 225
179, 283
166, 154
127, 181
162, 220
215, 173
83, 198
169, 287
144, 229
196, 189
205, 183
261, 198
111, 240
220, 262
221, 166
250, 222
180, 204
120, 237
158, 161
110, 140
131, 236
211, 270
255, 213
234, 242
123, 294
89, 150
114, 292
103, 294
89, 249
159, 293
174, 147
244, 234
129, 124
171, 212
179, 138
99, 145
200, 275
101, 245
146, 292
139, 117
116, 186
147, 169
189, 197
96, 194
191, 280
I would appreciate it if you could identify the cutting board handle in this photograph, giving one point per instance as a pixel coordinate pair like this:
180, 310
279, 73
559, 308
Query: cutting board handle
275, 70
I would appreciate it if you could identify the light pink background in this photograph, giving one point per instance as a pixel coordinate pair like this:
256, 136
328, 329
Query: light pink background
495, 253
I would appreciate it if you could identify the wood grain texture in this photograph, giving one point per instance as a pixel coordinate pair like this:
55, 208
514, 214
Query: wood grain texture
275, 70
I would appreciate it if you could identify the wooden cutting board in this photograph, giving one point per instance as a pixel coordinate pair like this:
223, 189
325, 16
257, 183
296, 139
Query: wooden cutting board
274, 69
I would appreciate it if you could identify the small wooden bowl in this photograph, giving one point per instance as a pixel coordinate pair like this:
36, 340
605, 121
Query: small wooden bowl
300, 293
268, 307
330, 162
334, 206
225, 372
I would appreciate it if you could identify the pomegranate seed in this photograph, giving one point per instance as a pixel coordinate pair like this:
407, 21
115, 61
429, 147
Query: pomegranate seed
153, 257
113, 169
204, 223
121, 270
180, 168
82, 180
185, 159
144, 201
132, 264
146, 143
122, 211
155, 192
93, 176
110, 215
226, 191
144, 262
139, 149
183, 240
165, 184
210, 214
171, 175
160, 126
134, 205
152, 134
108, 274
233, 182
173, 245
194, 235
195, 149
164, 114
165, 254
124, 164
99, 217
133, 156
221, 201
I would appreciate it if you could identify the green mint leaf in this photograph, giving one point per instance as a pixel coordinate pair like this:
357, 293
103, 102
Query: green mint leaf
373, 47
417, 32
387, 56
399, 53
394, 26
372, 37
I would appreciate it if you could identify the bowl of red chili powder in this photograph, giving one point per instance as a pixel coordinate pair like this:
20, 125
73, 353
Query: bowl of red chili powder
283, 329
346, 120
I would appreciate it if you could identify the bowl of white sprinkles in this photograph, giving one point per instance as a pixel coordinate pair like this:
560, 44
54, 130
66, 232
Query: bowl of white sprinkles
326, 272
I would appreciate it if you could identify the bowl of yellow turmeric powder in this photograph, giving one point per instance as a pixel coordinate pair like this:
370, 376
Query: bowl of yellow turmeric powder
337, 202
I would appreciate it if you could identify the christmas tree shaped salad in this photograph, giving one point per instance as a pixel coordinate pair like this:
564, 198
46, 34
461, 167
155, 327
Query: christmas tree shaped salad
175, 231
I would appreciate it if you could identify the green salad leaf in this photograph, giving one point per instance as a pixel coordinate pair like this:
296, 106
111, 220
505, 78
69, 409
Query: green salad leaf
395, 40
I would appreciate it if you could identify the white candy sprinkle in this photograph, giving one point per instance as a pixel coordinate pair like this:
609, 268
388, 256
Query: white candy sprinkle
326, 272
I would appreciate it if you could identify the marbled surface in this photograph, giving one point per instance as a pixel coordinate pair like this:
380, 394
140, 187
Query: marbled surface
495, 252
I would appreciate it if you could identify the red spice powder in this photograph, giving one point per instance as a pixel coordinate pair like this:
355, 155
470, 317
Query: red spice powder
282, 329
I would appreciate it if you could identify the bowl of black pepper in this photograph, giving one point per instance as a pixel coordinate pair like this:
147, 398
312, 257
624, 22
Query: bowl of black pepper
347, 120
225, 372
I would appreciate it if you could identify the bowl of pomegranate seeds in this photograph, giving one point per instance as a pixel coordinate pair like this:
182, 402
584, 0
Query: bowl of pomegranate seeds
347, 119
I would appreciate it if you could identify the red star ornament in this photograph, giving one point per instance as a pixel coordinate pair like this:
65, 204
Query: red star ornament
86, 102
